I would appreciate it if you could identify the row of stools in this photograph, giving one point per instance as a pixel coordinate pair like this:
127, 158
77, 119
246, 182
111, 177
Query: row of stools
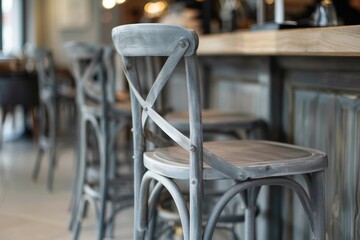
168, 148
102, 178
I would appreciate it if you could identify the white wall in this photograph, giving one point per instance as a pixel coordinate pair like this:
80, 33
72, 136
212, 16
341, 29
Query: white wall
51, 34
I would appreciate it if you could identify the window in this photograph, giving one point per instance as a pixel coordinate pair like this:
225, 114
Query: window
12, 26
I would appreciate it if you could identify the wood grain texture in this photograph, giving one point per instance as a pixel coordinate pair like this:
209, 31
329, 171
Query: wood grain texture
256, 158
330, 121
331, 41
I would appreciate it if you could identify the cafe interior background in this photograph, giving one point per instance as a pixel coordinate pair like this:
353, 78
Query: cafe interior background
27, 207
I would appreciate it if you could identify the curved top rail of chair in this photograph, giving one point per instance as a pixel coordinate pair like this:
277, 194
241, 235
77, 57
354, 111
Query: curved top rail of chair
149, 39
80, 50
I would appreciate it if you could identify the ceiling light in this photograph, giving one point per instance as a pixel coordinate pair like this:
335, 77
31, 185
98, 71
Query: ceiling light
108, 4
155, 9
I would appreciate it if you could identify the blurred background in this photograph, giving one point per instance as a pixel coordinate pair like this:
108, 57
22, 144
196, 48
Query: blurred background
51, 23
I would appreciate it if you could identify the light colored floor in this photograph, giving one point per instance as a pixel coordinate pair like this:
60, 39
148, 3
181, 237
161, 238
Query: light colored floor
28, 210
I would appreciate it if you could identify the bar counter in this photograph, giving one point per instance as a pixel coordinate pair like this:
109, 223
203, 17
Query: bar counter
306, 84
330, 41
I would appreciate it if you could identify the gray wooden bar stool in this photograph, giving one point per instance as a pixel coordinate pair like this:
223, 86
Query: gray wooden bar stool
97, 182
251, 164
51, 93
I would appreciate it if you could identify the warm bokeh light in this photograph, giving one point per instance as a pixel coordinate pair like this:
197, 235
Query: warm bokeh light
120, 1
108, 4
269, 2
155, 9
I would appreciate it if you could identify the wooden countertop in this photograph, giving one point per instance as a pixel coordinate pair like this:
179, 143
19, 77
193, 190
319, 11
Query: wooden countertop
329, 41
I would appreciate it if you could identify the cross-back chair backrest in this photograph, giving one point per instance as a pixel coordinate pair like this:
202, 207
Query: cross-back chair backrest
94, 72
175, 42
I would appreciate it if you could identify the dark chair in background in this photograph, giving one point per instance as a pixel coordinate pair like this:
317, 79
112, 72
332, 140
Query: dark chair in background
17, 88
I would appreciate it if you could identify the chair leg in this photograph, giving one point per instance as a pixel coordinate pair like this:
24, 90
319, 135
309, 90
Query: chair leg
102, 215
103, 140
76, 204
80, 178
52, 145
77, 167
250, 224
152, 226
139, 235
101, 220
111, 227
52, 164
318, 202
74, 182
35, 121
41, 132
250, 213
111, 153
78, 218
36, 170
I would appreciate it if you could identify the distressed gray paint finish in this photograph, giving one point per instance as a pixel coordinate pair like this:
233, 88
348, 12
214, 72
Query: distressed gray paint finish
93, 68
251, 163
331, 122
132, 42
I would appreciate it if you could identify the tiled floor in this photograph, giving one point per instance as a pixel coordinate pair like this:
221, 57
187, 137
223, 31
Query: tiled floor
28, 210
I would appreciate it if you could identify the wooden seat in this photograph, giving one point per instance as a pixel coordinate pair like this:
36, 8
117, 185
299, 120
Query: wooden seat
250, 164
255, 159
94, 72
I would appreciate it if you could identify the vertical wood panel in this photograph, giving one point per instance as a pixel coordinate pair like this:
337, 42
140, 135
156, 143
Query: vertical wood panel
331, 122
314, 114
349, 107
242, 87
322, 110
304, 125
